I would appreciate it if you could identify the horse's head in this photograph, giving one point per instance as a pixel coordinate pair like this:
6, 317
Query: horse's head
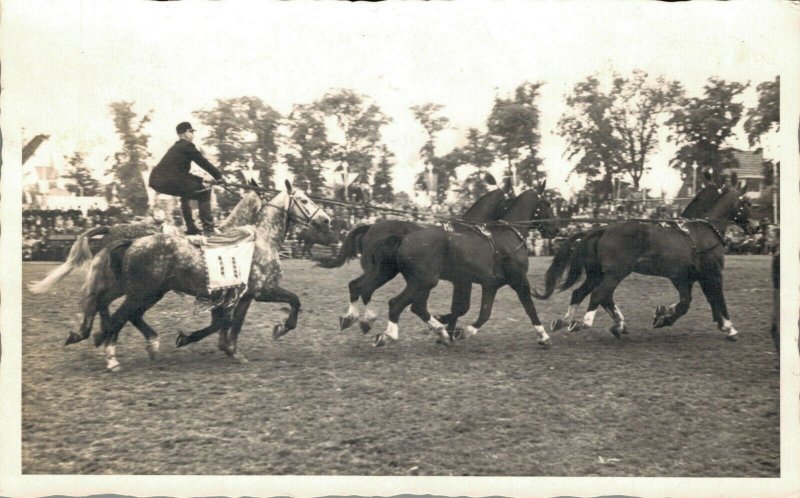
303, 210
533, 205
490, 207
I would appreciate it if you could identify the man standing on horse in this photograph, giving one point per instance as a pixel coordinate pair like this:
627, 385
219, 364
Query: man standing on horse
171, 176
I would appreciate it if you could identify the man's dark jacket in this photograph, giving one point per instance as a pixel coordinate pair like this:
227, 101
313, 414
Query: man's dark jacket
171, 175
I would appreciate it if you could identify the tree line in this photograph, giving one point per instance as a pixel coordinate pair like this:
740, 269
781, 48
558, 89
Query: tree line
610, 132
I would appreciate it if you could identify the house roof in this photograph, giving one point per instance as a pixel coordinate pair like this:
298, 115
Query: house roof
750, 164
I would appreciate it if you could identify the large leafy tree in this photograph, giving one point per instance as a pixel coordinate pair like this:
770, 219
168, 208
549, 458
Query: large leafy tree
309, 148
130, 162
382, 190
243, 132
476, 153
701, 127
429, 116
80, 178
514, 128
612, 132
766, 116
359, 122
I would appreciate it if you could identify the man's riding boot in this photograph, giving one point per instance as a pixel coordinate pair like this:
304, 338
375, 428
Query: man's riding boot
206, 217
186, 211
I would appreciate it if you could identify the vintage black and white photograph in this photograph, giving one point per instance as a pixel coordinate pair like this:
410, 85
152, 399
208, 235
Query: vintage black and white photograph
404, 239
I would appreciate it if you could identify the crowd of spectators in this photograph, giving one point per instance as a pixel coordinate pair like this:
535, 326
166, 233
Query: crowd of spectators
47, 234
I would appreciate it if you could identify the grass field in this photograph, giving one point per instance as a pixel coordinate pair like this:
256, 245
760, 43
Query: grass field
679, 401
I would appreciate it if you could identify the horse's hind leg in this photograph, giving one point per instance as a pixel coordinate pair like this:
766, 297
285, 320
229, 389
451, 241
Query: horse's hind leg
593, 279
396, 306
668, 316
603, 293
354, 286
368, 287
236, 322
131, 309
86, 326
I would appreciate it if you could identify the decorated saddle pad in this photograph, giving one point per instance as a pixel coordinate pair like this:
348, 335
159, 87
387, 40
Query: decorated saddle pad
228, 258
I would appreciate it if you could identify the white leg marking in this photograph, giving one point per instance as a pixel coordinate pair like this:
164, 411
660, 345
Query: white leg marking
471, 331
588, 318
435, 324
727, 326
153, 345
111, 358
571, 310
352, 311
671, 308
369, 315
392, 331
542, 333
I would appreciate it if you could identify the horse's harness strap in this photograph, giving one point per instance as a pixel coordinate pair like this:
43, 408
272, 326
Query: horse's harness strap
680, 225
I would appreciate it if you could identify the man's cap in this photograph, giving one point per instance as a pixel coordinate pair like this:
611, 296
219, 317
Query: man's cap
184, 127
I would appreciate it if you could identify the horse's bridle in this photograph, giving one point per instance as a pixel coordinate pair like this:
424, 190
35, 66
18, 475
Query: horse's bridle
308, 217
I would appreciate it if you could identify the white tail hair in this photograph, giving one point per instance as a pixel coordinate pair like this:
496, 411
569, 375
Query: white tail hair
79, 257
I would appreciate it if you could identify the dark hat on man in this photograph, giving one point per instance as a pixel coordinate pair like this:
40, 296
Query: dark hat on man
184, 127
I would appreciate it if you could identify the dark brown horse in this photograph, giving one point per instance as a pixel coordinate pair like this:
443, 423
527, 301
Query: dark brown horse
310, 236
492, 256
377, 244
685, 251
146, 269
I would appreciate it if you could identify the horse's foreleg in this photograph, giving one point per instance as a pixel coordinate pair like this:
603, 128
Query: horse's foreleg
487, 303
218, 320
712, 288
280, 295
86, 326
615, 313
150, 335
523, 290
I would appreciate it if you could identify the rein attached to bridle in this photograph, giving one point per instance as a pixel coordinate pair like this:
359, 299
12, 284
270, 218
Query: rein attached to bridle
287, 209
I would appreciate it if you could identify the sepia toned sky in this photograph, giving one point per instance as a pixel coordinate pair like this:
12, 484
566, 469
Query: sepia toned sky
177, 57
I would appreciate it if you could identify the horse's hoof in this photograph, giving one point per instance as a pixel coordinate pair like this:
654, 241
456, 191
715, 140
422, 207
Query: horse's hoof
618, 330
181, 340
279, 331
72, 338
732, 338
443, 337
659, 321
575, 325
660, 311
365, 325
345, 321
556, 324
239, 358
459, 334
114, 366
380, 340
545, 344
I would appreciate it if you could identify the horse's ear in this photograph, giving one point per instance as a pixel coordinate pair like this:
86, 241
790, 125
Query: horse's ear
734, 179
288, 186
489, 179
253, 182
742, 187
542, 186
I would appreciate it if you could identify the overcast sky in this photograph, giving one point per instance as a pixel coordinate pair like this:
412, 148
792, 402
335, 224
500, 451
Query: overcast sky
177, 57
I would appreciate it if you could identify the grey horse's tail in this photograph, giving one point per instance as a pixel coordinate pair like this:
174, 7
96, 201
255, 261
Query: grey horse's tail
351, 247
79, 256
